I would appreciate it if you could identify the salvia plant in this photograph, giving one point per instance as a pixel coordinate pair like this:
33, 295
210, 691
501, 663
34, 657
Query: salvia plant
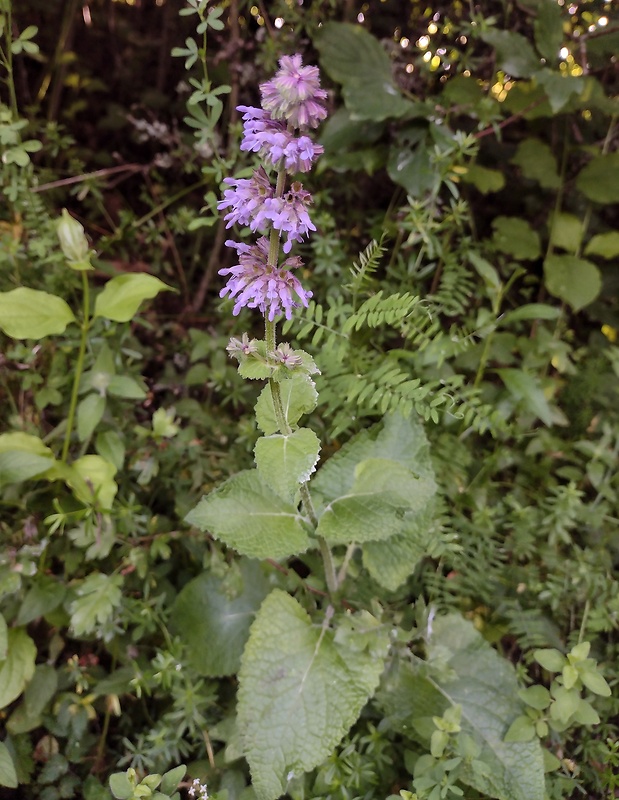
308, 668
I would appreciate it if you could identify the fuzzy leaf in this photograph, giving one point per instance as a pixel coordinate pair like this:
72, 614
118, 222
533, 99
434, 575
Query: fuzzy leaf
485, 685
245, 514
374, 507
214, 621
286, 461
299, 396
300, 690
31, 314
121, 296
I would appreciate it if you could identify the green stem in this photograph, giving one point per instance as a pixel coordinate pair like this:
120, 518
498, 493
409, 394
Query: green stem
79, 367
7, 60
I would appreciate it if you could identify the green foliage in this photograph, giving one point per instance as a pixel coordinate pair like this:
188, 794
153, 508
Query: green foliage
437, 608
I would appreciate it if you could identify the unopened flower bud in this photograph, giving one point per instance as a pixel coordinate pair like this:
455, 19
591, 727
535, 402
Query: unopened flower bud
73, 242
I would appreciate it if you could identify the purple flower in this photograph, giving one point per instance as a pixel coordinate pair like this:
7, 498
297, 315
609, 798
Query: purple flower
273, 142
247, 200
254, 283
294, 94
288, 214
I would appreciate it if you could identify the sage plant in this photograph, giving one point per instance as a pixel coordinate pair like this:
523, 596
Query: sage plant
303, 679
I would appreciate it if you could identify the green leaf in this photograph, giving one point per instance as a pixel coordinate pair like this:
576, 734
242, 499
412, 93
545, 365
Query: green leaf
95, 482
98, 596
575, 280
247, 515
31, 314
213, 618
121, 786
595, 682
285, 461
111, 448
18, 666
537, 697
397, 438
121, 296
605, 245
537, 162
514, 54
299, 396
374, 507
566, 231
585, 714
409, 163
37, 695
17, 466
89, 413
392, 561
124, 386
8, 774
516, 237
599, 180
565, 704
522, 729
171, 779
548, 29
530, 311
300, 690
484, 179
356, 59
4, 640
525, 388
550, 659
486, 687
43, 596
559, 88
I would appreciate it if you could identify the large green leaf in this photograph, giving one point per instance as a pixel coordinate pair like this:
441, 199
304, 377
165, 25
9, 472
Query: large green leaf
599, 180
37, 695
121, 296
285, 461
32, 314
464, 670
573, 279
485, 685
566, 231
301, 687
374, 507
357, 60
397, 438
18, 666
604, 245
44, 595
212, 615
245, 514
23, 456
514, 54
409, 163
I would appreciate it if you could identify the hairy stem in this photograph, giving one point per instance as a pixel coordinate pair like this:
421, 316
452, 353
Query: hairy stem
79, 367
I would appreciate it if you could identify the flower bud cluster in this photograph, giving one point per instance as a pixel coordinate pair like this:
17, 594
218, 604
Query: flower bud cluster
292, 102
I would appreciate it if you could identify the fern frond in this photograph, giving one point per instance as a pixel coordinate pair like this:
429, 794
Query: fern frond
366, 265
379, 310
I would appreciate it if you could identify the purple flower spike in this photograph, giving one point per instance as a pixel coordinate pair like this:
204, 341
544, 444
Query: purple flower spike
256, 284
288, 215
248, 200
273, 142
294, 94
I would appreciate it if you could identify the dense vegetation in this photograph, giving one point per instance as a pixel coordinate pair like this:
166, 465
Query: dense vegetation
436, 613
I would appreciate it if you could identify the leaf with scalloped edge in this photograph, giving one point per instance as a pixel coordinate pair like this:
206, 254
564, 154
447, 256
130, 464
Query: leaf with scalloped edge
301, 687
246, 514
285, 461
